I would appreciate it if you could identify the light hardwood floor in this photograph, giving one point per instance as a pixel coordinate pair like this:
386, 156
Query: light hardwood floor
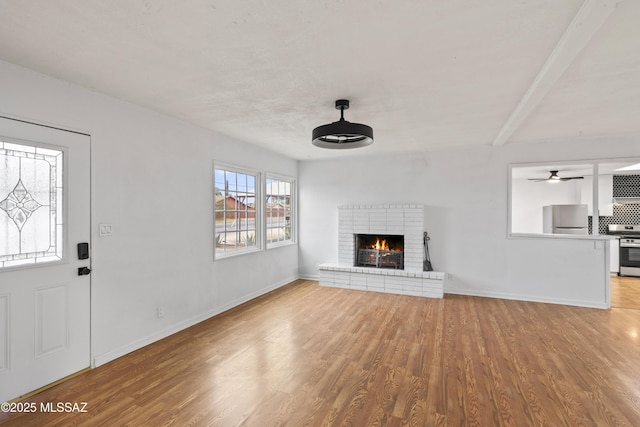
309, 355
625, 292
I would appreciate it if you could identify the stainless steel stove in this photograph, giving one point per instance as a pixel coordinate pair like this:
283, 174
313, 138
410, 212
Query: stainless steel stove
629, 248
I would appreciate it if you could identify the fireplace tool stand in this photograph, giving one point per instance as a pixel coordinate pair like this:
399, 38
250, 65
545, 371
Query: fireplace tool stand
426, 265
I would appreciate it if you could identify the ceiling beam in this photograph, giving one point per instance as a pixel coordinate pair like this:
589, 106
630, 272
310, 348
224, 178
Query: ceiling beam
588, 20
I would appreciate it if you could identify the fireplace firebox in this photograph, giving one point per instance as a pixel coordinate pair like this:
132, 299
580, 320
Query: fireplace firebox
379, 251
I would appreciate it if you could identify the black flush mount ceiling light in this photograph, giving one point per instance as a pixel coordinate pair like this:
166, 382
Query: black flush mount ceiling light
342, 134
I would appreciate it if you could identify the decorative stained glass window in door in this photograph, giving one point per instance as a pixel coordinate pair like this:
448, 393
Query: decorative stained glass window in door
31, 202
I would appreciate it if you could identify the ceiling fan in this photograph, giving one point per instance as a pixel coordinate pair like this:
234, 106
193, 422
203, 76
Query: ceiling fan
553, 177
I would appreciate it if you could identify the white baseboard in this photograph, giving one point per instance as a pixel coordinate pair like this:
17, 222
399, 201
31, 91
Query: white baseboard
177, 327
527, 298
507, 296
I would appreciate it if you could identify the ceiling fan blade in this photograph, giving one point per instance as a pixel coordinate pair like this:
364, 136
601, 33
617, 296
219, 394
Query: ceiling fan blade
554, 177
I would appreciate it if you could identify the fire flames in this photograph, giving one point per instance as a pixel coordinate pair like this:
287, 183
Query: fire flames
381, 245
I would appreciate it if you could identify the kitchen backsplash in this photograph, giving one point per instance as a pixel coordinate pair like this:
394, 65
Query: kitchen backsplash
623, 186
626, 186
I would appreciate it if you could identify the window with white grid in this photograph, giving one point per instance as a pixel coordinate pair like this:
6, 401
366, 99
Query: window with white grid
279, 213
237, 210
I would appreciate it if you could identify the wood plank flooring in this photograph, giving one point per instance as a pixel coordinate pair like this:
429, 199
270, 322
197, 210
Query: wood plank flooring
625, 292
306, 355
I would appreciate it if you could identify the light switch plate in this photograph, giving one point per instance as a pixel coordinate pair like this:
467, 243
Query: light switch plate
106, 230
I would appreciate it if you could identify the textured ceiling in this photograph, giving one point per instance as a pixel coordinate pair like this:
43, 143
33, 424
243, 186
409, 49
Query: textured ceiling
423, 74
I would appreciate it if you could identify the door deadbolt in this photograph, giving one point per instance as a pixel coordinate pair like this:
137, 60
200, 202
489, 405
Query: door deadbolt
83, 250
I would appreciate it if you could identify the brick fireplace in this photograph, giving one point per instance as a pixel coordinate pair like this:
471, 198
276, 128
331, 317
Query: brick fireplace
404, 221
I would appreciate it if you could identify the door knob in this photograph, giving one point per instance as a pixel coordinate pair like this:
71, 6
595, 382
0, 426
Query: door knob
83, 271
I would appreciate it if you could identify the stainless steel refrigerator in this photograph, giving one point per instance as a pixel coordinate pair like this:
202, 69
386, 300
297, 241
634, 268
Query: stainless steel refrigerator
565, 219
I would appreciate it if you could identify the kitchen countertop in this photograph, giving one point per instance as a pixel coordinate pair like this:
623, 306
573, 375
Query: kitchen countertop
564, 236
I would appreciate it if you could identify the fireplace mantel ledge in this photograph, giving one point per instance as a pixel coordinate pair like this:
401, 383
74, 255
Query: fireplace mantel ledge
438, 275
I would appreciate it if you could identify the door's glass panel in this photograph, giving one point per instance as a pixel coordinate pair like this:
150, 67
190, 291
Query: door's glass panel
31, 200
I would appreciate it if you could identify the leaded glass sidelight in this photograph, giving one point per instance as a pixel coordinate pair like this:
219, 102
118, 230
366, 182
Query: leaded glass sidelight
31, 217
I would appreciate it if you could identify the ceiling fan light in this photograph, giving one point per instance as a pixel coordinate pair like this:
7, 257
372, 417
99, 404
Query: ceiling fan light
553, 177
342, 134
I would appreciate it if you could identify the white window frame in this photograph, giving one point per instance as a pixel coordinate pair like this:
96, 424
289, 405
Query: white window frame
293, 211
259, 209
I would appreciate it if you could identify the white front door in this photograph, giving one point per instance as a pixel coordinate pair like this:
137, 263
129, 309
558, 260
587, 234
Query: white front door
44, 214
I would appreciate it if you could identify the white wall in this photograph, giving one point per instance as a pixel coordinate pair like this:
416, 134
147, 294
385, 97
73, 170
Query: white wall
528, 198
465, 196
152, 178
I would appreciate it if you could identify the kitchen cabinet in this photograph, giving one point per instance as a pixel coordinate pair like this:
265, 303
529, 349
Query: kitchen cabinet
605, 194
